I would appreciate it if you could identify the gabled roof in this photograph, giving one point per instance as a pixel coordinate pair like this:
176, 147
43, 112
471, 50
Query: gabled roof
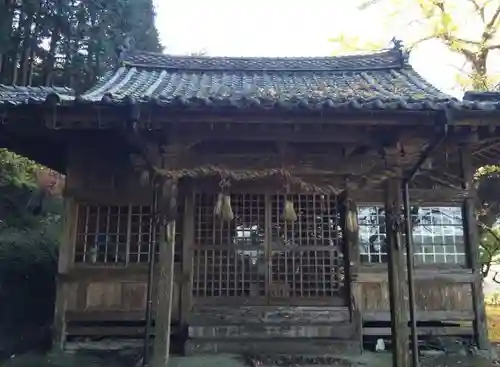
378, 81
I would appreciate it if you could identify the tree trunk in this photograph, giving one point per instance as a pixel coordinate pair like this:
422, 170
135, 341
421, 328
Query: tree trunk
480, 80
6, 22
49, 63
31, 66
25, 31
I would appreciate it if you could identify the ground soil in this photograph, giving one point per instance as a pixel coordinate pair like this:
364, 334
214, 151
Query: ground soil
368, 359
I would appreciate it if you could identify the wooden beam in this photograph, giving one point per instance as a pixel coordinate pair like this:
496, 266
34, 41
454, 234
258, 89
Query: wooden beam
298, 132
280, 132
399, 320
422, 197
472, 249
111, 116
485, 147
304, 164
168, 211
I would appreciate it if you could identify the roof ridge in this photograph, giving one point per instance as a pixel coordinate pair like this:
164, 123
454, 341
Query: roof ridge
382, 59
356, 54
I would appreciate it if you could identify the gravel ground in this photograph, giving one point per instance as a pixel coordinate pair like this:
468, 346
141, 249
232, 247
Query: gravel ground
368, 359
379, 360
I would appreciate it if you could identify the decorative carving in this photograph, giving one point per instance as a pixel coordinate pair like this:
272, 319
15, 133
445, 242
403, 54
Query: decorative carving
397, 45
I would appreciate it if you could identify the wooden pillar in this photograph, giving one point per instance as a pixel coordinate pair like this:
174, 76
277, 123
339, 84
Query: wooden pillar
472, 248
396, 272
167, 215
66, 253
187, 257
351, 238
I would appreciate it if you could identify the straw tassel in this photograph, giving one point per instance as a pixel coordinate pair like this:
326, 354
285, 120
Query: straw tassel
351, 217
218, 205
93, 254
352, 221
227, 211
144, 178
223, 207
289, 214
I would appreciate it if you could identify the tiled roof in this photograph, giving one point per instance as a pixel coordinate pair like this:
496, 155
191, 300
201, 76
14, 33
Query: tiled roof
377, 81
15, 95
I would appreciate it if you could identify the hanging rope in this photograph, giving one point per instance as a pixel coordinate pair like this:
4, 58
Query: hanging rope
249, 175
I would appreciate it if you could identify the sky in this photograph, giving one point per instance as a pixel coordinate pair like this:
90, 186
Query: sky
289, 28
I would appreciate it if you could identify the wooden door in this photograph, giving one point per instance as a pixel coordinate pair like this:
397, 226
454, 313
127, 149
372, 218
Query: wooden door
306, 256
258, 259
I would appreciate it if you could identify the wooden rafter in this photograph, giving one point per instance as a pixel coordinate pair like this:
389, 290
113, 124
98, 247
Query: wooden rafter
486, 146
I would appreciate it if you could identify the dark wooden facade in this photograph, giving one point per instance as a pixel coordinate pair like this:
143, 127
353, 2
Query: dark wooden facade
340, 143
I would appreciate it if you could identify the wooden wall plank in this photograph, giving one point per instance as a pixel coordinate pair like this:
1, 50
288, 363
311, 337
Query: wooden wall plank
134, 296
438, 296
444, 275
99, 298
423, 315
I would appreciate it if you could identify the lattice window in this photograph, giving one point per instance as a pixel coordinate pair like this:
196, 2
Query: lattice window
229, 256
306, 255
102, 234
116, 235
371, 221
438, 235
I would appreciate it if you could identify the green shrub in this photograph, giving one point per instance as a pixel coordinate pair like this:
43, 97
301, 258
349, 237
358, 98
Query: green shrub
28, 257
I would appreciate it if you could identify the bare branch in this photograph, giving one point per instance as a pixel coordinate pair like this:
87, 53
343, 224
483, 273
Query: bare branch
485, 269
493, 47
416, 21
468, 54
479, 9
421, 40
475, 4
474, 43
461, 69
495, 278
491, 24
449, 39
366, 4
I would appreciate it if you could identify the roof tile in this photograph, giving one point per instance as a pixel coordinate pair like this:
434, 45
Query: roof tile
14, 95
377, 81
